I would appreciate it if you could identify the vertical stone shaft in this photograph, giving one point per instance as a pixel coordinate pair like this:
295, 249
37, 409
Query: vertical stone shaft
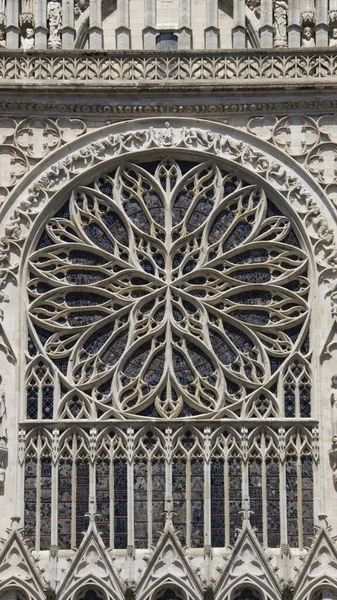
266, 29
149, 31
212, 29
68, 25
239, 29
41, 30
185, 34
294, 27
95, 25
12, 29
322, 23
123, 33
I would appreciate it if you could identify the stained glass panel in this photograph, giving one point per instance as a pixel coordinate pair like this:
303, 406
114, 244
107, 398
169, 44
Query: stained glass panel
217, 503
307, 500
292, 500
197, 503
179, 496
64, 504
255, 495
235, 496
103, 499
273, 502
30, 499
140, 503
120, 504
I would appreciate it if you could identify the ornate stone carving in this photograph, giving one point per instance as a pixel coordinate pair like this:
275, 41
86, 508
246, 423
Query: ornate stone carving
153, 68
28, 41
308, 37
280, 23
80, 7
255, 6
54, 24
296, 135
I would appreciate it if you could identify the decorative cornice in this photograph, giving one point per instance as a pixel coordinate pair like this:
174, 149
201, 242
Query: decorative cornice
153, 69
133, 110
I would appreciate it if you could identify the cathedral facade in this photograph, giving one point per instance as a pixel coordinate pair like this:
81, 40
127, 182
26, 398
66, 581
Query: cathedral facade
168, 299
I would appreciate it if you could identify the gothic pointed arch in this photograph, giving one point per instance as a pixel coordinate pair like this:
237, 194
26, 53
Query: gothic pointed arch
320, 568
169, 568
247, 569
18, 570
91, 568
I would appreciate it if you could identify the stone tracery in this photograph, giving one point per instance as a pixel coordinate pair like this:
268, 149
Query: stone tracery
225, 319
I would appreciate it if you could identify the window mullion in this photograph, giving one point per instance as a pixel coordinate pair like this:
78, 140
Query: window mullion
188, 501
73, 492
38, 494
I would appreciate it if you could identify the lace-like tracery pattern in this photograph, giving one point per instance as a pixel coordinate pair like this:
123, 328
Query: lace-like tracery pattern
166, 290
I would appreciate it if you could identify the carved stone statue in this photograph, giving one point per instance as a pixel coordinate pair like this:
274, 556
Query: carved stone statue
308, 39
333, 451
28, 42
54, 24
80, 7
2, 39
3, 413
280, 23
333, 39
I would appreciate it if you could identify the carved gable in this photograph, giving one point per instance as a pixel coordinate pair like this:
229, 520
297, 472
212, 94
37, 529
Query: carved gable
320, 565
169, 566
92, 565
18, 568
248, 564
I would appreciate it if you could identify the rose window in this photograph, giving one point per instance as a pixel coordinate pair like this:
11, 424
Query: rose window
168, 289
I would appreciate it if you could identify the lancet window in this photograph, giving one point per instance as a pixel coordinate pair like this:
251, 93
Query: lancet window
164, 293
180, 483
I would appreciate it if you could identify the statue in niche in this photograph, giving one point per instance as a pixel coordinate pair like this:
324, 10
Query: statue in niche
333, 39
3, 431
280, 23
80, 7
333, 451
28, 42
2, 39
308, 39
54, 24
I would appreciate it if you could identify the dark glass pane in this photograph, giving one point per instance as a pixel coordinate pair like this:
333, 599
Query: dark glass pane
140, 503
292, 499
30, 499
197, 503
307, 500
217, 503
65, 504
158, 497
45, 500
82, 499
179, 496
103, 499
235, 497
255, 495
273, 502
120, 504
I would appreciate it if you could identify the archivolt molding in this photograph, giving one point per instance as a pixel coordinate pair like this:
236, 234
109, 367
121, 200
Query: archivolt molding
58, 171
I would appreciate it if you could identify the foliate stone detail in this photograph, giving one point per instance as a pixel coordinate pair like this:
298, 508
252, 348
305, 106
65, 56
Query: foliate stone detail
172, 285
